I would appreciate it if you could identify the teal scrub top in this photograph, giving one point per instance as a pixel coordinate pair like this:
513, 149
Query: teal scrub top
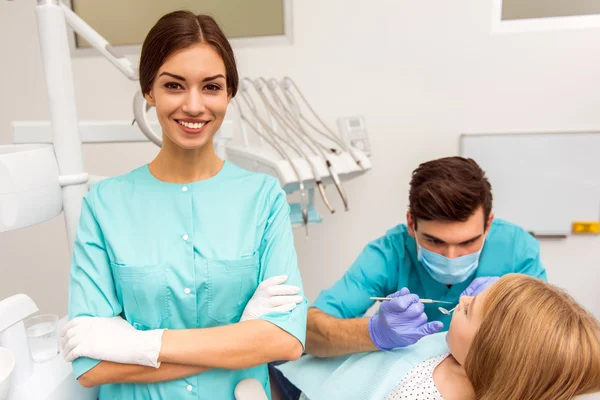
390, 263
182, 256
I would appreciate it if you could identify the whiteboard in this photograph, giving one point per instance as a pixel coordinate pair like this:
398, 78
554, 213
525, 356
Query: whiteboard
541, 181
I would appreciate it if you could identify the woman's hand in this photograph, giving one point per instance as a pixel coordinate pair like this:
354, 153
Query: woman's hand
272, 296
110, 339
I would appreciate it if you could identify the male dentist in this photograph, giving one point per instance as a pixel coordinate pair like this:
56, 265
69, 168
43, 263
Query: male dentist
450, 246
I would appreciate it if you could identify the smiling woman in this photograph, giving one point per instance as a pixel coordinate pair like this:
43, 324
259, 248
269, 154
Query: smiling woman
198, 77
191, 96
182, 257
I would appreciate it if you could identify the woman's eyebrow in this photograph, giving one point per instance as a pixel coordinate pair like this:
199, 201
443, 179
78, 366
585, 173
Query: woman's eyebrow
212, 78
173, 76
181, 78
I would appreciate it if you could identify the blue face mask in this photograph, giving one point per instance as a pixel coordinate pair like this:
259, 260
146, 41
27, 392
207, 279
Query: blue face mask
449, 271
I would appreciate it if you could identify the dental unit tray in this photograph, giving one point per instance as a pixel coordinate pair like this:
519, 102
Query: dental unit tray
262, 159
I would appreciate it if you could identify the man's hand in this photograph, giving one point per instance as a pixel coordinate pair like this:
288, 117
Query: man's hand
401, 322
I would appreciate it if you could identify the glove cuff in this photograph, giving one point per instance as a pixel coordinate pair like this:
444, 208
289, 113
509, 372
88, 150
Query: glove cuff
149, 347
373, 333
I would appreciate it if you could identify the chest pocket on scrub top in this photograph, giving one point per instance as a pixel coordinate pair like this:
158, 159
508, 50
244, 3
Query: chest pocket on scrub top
231, 283
143, 292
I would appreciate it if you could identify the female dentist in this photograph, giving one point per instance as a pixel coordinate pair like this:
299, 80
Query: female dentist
177, 275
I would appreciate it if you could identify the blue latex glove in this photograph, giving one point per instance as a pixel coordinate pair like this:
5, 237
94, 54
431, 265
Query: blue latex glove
401, 322
479, 285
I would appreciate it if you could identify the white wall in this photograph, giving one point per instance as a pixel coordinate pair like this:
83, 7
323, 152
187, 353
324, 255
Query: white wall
421, 73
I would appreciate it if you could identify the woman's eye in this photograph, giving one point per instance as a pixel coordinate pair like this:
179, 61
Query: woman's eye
466, 308
213, 88
172, 85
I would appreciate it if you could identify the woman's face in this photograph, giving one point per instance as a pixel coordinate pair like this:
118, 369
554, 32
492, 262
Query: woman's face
190, 95
463, 327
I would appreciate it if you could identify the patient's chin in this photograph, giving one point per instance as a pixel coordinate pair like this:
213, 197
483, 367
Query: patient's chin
457, 347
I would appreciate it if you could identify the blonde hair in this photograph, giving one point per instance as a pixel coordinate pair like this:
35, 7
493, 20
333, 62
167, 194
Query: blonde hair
534, 342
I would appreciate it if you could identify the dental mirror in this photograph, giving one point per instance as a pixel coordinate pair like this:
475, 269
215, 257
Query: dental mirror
446, 312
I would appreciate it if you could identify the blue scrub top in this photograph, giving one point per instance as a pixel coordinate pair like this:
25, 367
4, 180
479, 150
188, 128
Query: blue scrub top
390, 263
182, 256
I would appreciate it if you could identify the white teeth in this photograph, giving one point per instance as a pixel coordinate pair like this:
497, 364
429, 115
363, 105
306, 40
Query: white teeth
195, 125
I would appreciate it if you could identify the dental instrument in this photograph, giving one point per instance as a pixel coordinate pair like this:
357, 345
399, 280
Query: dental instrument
425, 301
288, 83
259, 84
297, 128
446, 312
296, 116
319, 162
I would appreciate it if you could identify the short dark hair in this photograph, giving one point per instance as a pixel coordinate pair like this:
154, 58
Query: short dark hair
449, 189
179, 30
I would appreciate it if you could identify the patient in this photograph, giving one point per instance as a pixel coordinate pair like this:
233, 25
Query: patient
520, 339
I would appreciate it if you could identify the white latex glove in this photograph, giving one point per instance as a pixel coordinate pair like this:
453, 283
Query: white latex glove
272, 296
110, 339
